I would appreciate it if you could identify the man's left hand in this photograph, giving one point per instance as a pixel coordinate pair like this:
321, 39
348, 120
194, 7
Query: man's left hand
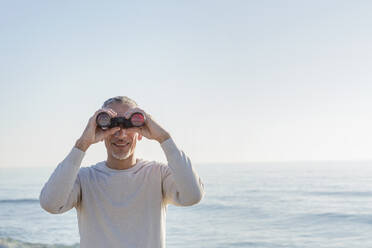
151, 129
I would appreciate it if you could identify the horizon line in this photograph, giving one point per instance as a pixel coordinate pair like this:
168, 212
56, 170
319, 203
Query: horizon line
236, 163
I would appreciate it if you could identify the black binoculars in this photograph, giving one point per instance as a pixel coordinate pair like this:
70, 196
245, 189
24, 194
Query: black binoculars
104, 121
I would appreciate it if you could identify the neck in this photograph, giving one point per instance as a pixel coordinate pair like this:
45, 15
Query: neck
124, 164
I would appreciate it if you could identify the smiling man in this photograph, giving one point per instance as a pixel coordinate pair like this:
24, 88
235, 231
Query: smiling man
122, 201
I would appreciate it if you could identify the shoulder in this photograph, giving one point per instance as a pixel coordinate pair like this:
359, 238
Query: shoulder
163, 168
155, 167
151, 164
86, 172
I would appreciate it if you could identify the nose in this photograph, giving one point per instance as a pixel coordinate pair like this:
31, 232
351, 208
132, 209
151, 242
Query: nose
122, 133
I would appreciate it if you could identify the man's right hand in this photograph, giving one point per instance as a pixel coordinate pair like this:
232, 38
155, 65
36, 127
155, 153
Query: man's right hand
93, 134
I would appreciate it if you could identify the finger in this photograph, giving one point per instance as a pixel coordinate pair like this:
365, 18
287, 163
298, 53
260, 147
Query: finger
128, 114
92, 120
110, 111
111, 131
131, 111
97, 113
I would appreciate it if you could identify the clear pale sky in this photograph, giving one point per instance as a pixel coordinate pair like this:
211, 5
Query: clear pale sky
232, 81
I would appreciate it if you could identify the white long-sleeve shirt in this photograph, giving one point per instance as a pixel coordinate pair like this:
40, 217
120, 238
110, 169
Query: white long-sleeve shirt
122, 208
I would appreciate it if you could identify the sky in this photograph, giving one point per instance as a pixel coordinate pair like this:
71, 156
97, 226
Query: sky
231, 81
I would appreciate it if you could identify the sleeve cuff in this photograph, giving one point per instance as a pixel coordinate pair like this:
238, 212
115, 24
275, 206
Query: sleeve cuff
76, 155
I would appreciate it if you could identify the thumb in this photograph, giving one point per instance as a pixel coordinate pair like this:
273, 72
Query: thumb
111, 131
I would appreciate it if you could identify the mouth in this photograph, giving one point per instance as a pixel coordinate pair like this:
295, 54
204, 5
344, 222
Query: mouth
121, 145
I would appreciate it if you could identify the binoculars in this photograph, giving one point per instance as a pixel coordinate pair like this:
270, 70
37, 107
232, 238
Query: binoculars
104, 121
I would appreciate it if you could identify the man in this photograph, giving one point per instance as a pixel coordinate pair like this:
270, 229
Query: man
122, 202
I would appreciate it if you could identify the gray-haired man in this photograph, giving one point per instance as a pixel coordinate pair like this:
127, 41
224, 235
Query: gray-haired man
122, 202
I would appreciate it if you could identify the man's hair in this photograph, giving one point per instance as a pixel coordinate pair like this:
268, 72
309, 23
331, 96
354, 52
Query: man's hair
120, 99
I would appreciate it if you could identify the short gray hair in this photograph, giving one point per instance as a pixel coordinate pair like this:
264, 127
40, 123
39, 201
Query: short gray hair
119, 99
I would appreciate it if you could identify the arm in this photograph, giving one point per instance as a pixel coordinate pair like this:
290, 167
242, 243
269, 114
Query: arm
181, 184
63, 190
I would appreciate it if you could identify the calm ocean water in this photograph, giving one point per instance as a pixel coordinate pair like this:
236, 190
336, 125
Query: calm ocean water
262, 205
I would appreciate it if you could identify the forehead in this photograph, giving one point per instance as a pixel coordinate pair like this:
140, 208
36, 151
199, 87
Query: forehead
120, 108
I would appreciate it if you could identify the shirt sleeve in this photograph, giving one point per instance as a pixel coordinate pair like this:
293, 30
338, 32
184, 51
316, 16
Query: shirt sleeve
181, 185
63, 190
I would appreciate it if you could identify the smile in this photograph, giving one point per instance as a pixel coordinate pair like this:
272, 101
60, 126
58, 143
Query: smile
121, 145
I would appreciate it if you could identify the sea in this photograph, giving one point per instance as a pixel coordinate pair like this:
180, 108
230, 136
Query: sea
262, 205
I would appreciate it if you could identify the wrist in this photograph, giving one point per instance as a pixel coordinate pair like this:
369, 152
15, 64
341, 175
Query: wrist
163, 138
82, 145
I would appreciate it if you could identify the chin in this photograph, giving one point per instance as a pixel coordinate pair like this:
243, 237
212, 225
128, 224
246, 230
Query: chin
121, 156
